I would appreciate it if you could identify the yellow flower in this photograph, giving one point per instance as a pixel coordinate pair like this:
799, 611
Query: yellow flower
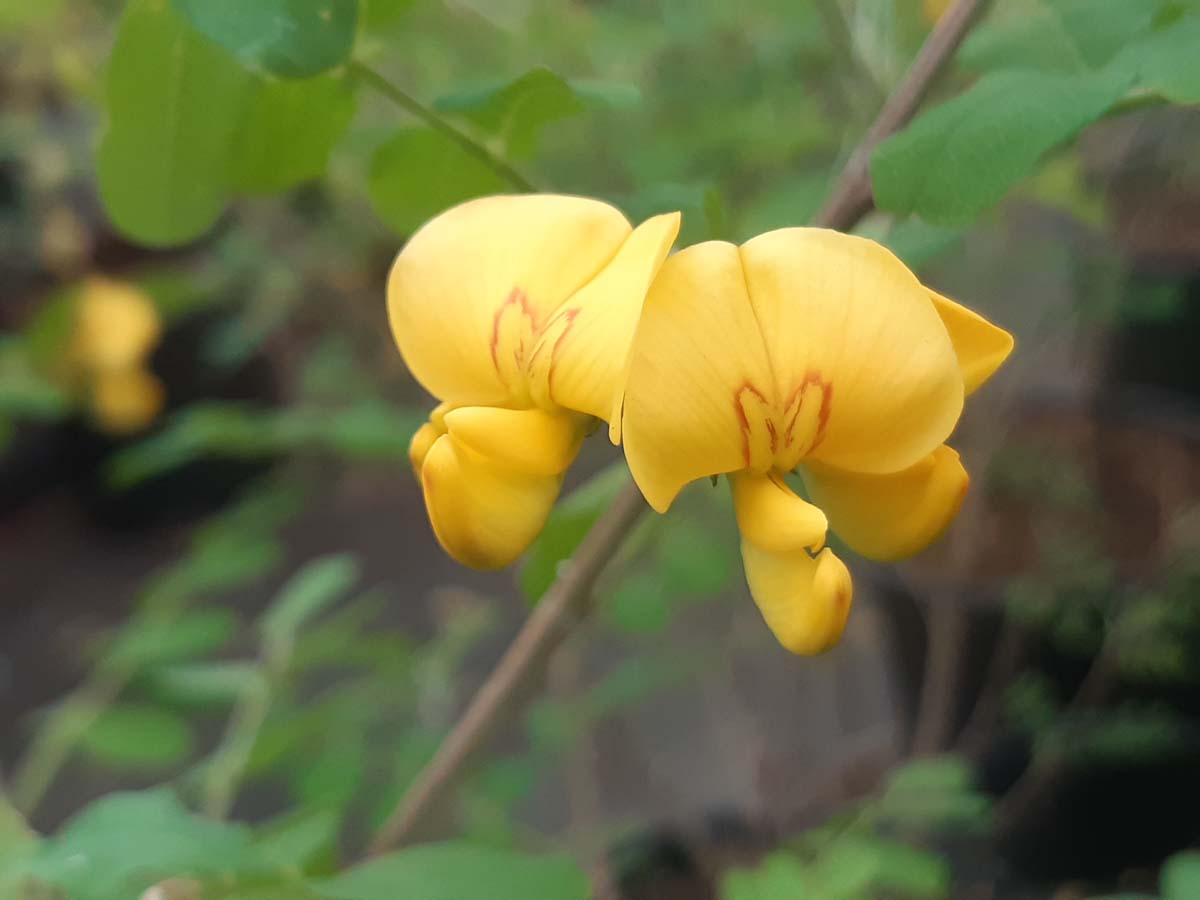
517, 312
934, 10
813, 352
115, 330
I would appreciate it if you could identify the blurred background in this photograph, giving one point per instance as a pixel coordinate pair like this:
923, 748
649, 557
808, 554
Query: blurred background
216, 573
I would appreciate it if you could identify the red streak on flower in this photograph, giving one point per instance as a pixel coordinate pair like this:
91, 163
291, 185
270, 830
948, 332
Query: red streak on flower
744, 420
811, 377
515, 299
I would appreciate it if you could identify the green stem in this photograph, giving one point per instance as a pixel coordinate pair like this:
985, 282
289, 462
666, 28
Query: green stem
57, 739
412, 105
228, 763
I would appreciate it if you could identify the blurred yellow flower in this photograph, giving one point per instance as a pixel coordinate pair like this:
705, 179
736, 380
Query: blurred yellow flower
813, 352
517, 312
116, 328
934, 10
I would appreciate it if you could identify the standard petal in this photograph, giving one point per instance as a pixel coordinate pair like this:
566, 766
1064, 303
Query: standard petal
805, 600
865, 369
530, 441
697, 360
889, 517
980, 346
770, 514
473, 287
581, 358
485, 516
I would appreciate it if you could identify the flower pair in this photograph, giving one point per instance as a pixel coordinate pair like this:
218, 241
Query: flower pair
115, 330
804, 352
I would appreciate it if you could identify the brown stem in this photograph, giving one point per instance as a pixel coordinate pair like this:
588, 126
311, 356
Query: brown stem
568, 599
1024, 797
549, 623
851, 197
939, 690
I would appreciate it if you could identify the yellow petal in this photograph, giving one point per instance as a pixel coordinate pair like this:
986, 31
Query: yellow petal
116, 326
581, 358
125, 401
981, 347
863, 363
805, 600
485, 516
473, 287
888, 517
530, 441
419, 446
770, 515
697, 360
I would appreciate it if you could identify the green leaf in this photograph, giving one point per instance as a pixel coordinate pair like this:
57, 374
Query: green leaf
155, 641
295, 841
289, 130
1181, 876
371, 430
18, 844
942, 773
518, 110
937, 792
569, 522
638, 605
289, 38
380, 14
1057, 36
862, 862
419, 172
779, 876
24, 392
695, 558
329, 779
460, 871
219, 683
125, 842
958, 159
1166, 62
316, 586
174, 106
138, 737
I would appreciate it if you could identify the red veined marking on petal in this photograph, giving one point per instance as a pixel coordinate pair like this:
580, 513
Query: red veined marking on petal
774, 435
743, 419
518, 298
811, 377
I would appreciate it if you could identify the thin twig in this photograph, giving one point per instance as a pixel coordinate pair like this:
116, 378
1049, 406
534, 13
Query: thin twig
57, 739
851, 197
939, 687
568, 599
1040, 775
228, 763
430, 117
549, 623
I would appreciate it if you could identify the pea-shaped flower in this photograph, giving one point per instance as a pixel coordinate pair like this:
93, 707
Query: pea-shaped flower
517, 312
812, 352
